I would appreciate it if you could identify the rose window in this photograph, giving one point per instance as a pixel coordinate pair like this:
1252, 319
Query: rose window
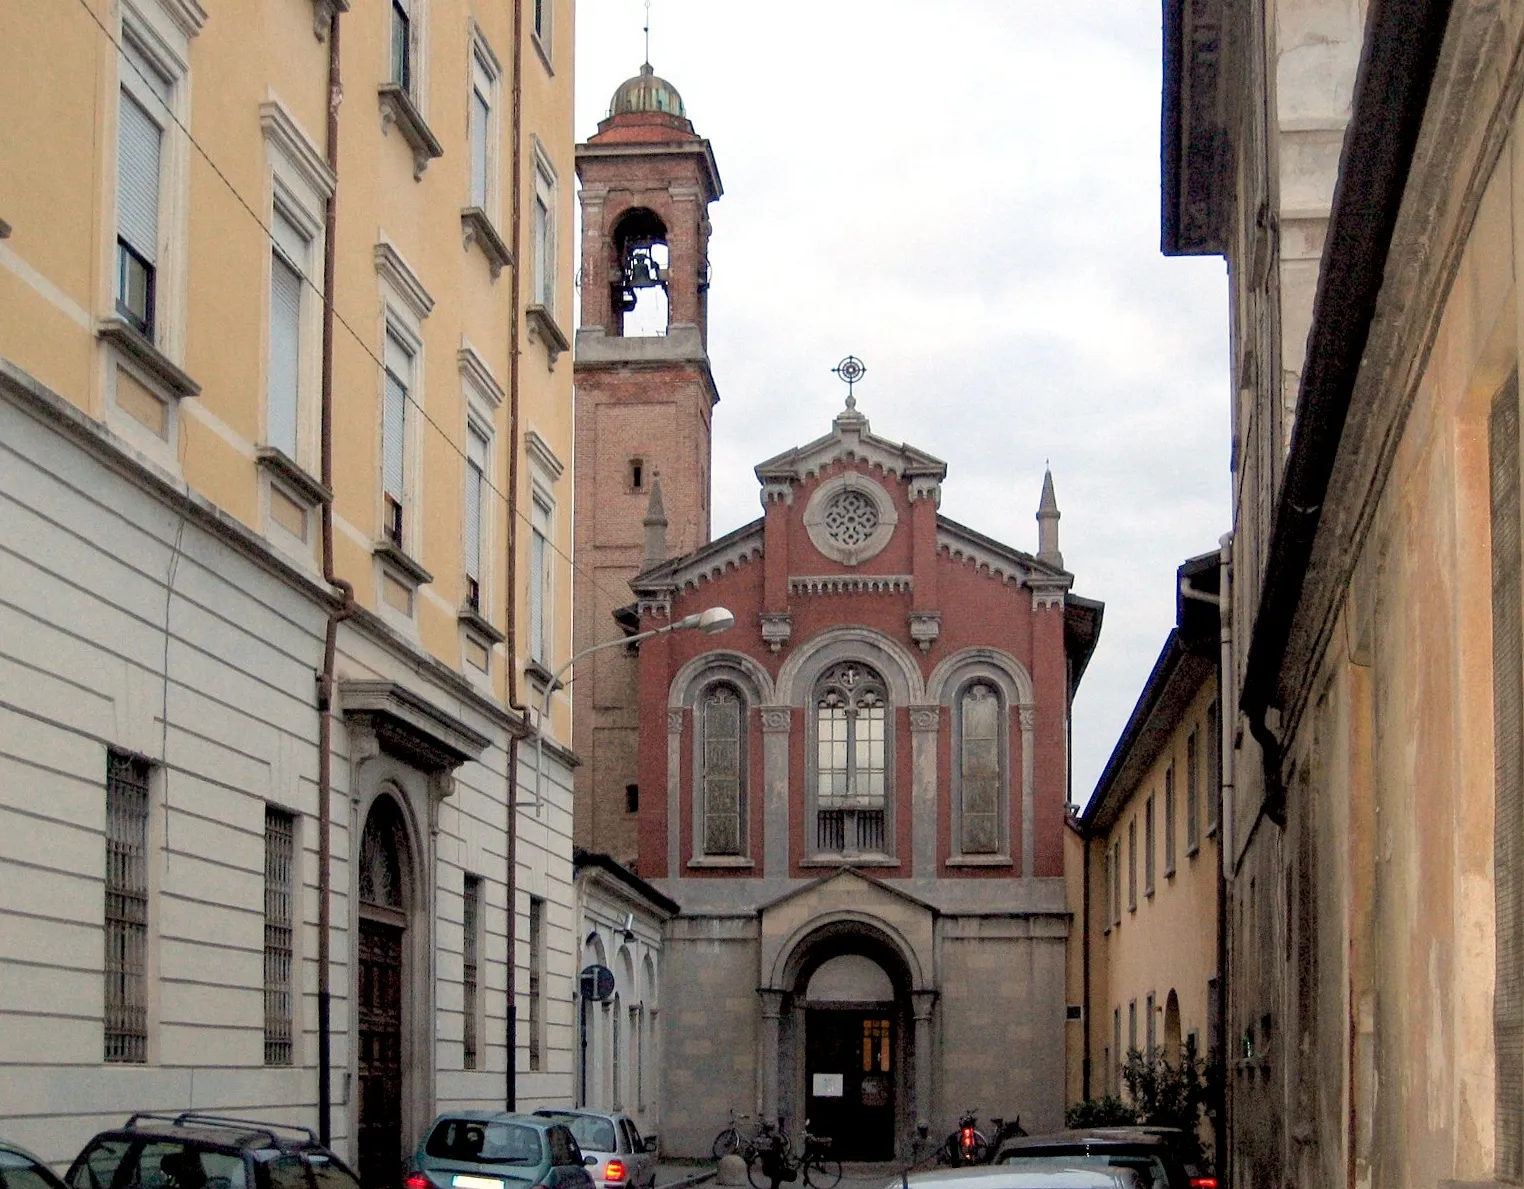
850, 518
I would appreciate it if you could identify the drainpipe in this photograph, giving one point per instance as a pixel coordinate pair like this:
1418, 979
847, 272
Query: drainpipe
336, 614
1224, 843
515, 317
1085, 996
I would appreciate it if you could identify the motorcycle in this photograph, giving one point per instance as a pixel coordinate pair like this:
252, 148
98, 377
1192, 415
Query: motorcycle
968, 1145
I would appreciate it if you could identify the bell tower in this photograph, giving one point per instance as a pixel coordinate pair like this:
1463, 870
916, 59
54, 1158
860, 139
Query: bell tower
644, 395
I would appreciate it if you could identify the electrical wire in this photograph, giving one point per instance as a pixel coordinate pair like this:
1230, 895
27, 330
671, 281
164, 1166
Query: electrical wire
577, 570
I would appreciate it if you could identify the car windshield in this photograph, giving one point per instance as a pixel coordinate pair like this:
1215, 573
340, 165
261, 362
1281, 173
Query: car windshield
480, 1141
592, 1133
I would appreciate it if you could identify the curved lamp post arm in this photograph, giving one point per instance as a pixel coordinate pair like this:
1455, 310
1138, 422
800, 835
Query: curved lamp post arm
710, 621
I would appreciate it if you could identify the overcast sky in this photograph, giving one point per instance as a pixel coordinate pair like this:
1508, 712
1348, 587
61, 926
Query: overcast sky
965, 194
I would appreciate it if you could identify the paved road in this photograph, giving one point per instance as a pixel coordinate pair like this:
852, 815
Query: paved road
854, 1176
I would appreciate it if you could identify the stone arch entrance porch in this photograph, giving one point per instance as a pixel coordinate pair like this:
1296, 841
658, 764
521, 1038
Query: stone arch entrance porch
846, 1015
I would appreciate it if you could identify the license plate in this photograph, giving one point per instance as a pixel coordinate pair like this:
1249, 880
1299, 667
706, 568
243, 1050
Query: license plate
465, 1181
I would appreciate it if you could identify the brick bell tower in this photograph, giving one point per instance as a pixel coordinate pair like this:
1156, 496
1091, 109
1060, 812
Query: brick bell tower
644, 394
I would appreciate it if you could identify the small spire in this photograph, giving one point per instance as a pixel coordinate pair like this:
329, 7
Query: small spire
647, 30
655, 525
1047, 523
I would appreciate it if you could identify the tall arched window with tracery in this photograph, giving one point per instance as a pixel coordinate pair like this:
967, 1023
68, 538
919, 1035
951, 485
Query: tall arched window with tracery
852, 761
722, 776
981, 768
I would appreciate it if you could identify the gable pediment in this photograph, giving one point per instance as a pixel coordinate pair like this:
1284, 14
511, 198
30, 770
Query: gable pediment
851, 440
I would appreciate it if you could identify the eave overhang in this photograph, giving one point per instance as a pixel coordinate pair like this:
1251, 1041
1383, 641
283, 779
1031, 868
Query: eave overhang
1193, 132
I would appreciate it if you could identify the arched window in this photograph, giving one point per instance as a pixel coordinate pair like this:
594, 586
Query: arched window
852, 769
981, 768
381, 850
722, 776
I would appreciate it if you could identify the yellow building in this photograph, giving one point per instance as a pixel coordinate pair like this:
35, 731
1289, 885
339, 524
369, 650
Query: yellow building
1148, 862
284, 294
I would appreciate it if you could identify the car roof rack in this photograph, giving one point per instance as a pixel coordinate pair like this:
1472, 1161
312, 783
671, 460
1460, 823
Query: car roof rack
251, 1126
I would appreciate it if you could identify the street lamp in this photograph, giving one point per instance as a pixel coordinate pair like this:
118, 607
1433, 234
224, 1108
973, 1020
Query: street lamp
710, 622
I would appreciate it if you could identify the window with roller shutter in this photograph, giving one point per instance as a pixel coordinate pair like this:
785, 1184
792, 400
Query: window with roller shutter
290, 254
478, 448
394, 415
1508, 775
142, 117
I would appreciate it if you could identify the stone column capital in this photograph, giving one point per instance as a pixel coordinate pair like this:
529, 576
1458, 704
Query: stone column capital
772, 1003
674, 720
776, 720
922, 1003
925, 718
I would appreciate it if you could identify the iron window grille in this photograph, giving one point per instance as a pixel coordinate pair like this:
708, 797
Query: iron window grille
536, 977
470, 927
280, 855
126, 1001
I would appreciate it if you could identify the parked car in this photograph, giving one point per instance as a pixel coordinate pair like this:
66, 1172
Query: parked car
19, 1169
490, 1149
1023, 1174
194, 1151
625, 1160
1150, 1152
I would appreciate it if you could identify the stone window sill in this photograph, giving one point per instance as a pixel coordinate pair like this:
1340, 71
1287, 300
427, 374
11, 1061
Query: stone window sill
397, 107
538, 673
394, 558
850, 861
476, 228
981, 861
475, 621
721, 863
129, 342
278, 463
543, 327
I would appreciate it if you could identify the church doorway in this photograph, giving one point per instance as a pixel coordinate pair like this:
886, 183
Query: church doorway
853, 1078
381, 1000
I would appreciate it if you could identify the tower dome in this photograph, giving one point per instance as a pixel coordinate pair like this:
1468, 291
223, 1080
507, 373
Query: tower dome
647, 92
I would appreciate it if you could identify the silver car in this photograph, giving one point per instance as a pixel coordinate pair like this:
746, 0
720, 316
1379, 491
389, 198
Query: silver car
625, 1159
1024, 1174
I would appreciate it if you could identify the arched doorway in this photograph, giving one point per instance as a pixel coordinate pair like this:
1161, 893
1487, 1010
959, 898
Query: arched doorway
381, 1006
852, 1046
1172, 1028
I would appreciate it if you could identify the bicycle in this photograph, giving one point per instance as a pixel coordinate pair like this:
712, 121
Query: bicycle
774, 1154
731, 1141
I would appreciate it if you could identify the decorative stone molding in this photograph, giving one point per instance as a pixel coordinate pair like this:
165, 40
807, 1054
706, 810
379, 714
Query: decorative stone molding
544, 329
777, 491
925, 627
397, 107
711, 561
777, 627
922, 1003
287, 136
477, 228
543, 456
410, 727
926, 487
165, 372
820, 584
323, 12
776, 720
925, 718
1028, 718
655, 603
850, 518
675, 720
399, 275
475, 372
987, 557
278, 463
1047, 594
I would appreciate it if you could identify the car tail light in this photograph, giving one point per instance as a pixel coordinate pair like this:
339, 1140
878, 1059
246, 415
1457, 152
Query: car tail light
1203, 1183
613, 1170
417, 1181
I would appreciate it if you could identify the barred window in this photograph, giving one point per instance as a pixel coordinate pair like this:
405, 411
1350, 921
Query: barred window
980, 769
536, 977
1193, 793
470, 932
280, 847
852, 775
126, 1005
723, 779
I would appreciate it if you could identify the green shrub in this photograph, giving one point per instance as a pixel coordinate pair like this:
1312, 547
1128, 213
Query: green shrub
1109, 1111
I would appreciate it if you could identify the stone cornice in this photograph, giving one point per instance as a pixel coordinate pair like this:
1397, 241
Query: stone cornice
819, 584
285, 134
399, 275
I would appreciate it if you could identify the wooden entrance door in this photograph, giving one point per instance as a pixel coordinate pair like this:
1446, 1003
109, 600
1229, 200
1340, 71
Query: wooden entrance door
380, 1056
850, 1080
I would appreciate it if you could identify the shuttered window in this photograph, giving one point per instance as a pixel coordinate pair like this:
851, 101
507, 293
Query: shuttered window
471, 908
142, 116
126, 999
288, 262
1148, 846
543, 281
476, 493
539, 582
1116, 882
1213, 770
399, 377
481, 127
280, 860
722, 722
1508, 775
1132, 865
1169, 819
1193, 793
979, 718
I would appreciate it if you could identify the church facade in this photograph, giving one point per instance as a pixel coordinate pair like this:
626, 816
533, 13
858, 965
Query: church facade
857, 795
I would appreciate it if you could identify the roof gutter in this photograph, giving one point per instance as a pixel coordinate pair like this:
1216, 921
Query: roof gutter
1397, 64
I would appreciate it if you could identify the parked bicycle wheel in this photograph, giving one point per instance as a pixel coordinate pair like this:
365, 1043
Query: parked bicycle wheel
726, 1142
757, 1174
822, 1172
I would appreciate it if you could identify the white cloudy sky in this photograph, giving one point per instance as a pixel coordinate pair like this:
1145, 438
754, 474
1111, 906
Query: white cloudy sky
965, 194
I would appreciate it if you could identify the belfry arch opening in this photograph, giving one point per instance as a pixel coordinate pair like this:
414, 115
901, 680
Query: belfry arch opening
640, 299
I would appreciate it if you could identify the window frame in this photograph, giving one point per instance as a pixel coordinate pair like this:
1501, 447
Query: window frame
1150, 831
1132, 864
478, 434
1193, 792
130, 778
541, 577
471, 903
959, 764
701, 851
395, 526
1169, 819
876, 684
542, 31
280, 1043
483, 73
543, 233
535, 988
